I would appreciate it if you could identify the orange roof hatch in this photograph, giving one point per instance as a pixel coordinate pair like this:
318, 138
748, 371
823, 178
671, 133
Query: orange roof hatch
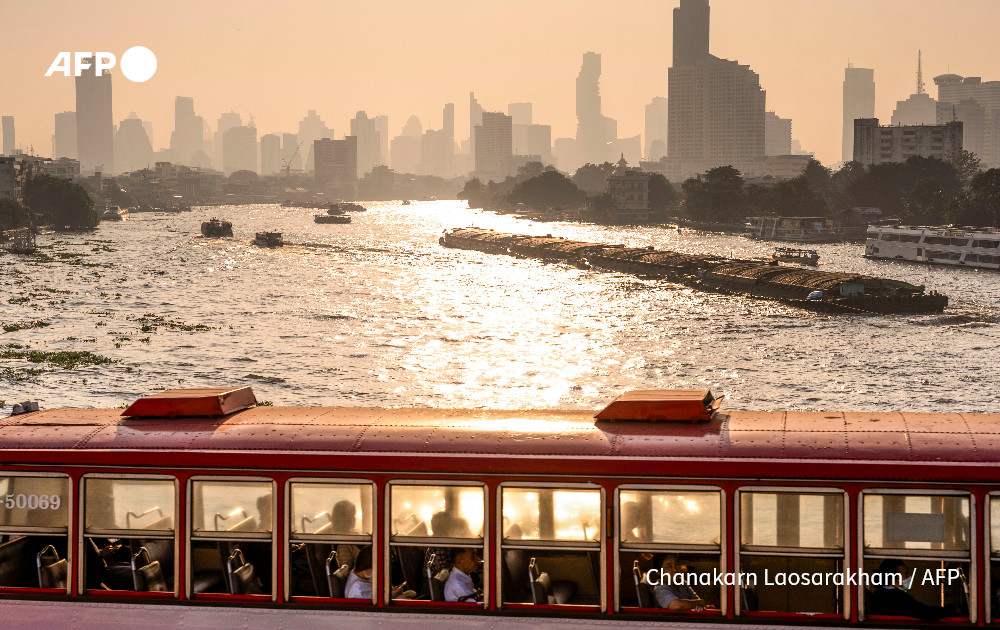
673, 405
202, 401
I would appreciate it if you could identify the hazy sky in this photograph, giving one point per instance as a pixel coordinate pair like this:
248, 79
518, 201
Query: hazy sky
275, 60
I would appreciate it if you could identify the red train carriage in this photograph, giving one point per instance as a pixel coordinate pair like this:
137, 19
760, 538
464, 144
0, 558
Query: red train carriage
213, 515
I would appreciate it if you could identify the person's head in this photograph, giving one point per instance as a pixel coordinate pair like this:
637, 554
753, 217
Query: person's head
893, 571
363, 563
670, 565
264, 508
343, 516
465, 559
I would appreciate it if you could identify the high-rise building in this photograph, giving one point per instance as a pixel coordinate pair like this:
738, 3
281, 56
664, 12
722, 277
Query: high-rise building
437, 151
972, 115
716, 106
859, 102
448, 119
475, 119
494, 147
226, 121
657, 118
133, 151
312, 128
538, 141
369, 142
270, 154
64, 140
239, 149
777, 134
95, 138
187, 138
591, 125
337, 165
520, 113
880, 145
955, 90
8, 135
407, 146
291, 152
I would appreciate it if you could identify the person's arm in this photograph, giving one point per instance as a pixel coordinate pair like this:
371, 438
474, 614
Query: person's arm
684, 605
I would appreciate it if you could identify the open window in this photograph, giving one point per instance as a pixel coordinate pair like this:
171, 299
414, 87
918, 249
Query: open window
232, 550
329, 524
430, 525
924, 534
790, 550
655, 525
551, 547
34, 525
129, 534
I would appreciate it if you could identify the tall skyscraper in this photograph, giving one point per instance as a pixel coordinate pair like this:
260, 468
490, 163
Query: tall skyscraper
226, 121
591, 126
407, 147
859, 102
369, 142
270, 154
186, 139
133, 151
8, 135
95, 139
715, 106
312, 128
475, 119
777, 134
657, 117
983, 126
337, 165
64, 140
520, 113
448, 120
239, 149
494, 146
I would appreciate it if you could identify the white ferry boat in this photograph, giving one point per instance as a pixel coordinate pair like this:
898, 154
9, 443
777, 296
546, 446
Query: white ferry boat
966, 247
794, 229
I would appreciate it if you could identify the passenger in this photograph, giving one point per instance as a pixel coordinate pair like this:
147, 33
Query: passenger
460, 587
675, 597
446, 525
264, 513
343, 518
896, 602
359, 582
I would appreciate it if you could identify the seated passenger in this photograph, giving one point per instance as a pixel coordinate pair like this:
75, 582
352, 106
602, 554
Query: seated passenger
359, 582
675, 597
445, 525
460, 587
343, 518
892, 599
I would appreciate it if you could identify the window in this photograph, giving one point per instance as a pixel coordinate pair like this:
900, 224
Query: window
683, 524
792, 532
551, 545
232, 522
330, 522
34, 524
434, 529
128, 533
928, 531
993, 574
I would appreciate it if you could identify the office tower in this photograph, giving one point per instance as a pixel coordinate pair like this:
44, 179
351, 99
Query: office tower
437, 150
880, 145
187, 137
369, 142
448, 120
291, 153
859, 102
312, 128
475, 119
337, 164
657, 117
539, 142
981, 101
520, 113
133, 150
715, 106
95, 136
226, 121
8, 135
407, 147
239, 149
777, 134
64, 140
270, 154
494, 146
592, 127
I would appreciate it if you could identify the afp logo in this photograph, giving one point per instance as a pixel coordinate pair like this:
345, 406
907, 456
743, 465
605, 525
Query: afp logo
138, 63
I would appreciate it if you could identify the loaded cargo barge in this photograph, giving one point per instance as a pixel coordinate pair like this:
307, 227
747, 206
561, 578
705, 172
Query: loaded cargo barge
806, 288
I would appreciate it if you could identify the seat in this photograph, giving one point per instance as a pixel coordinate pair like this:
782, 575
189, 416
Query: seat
52, 571
410, 559
147, 575
748, 599
436, 582
242, 578
336, 579
14, 556
317, 554
643, 591
515, 575
545, 591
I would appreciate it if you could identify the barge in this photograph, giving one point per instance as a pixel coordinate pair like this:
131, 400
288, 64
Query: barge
805, 288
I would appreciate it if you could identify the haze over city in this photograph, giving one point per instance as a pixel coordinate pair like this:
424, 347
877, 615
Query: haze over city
274, 62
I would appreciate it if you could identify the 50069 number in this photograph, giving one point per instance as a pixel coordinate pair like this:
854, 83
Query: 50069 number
32, 501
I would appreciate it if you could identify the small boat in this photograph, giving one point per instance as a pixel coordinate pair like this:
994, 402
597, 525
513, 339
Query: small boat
19, 241
216, 228
347, 206
268, 239
114, 213
801, 256
406, 202
332, 218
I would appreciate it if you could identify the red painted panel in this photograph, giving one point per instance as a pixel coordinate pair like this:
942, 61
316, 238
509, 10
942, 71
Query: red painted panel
983, 423
755, 420
878, 446
813, 421
935, 423
942, 446
871, 421
814, 445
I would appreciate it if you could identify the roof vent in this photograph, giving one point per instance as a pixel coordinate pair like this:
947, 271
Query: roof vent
202, 401
662, 405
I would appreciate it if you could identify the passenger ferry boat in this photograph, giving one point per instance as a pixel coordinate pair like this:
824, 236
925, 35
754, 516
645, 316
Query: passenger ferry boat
966, 247
197, 508
794, 229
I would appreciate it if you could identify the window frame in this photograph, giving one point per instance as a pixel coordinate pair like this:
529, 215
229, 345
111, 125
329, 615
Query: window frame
191, 536
82, 535
845, 594
973, 544
988, 556
287, 533
484, 546
71, 553
601, 546
670, 548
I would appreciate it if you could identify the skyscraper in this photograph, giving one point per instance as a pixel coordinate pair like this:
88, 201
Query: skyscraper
312, 128
8, 135
494, 146
859, 102
64, 140
657, 117
133, 151
984, 128
239, 149
270, 154
186, 139
369, 142
226, 121
715, 106
475, 119
448, 120
337, 165
94, 123
591, 127
777, 134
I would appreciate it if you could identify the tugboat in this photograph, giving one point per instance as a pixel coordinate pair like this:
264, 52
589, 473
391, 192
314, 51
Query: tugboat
268, 239
114, 213
333, 216
792, 255
216, 228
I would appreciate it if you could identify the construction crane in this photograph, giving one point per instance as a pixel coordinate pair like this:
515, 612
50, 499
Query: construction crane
287, 164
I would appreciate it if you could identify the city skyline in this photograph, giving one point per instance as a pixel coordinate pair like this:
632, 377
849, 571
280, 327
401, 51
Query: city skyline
799, 50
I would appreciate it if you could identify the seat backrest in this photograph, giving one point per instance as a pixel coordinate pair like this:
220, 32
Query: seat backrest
139, 560
318, 555
410, 560
643, 591
152, 577
541, 589
48, 572
515, 571
437, 583
337, 580
532, 571
14, 557
242, 577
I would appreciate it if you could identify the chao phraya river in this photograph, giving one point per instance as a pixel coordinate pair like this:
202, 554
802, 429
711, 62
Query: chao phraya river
377, 313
